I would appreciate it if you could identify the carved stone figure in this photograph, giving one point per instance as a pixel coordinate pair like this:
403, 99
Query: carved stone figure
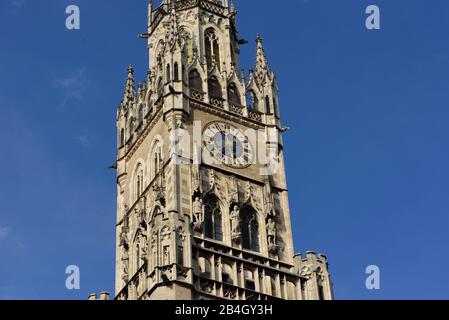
198, 215
271, 232
125, 264
235, 222
166, 256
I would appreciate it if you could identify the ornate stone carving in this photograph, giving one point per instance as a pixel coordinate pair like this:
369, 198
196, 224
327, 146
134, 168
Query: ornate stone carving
125, 264
271, 236
183, 272
249, 192
235, 225
165, 233
182, 234
306, 272
198, 214
230, 293
167, 272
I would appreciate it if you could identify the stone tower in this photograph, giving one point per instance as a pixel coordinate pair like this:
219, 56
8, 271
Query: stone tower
202, 201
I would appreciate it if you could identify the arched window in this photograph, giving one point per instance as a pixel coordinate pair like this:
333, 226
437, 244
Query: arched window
212, 49
150, 106
226, 274
249, 280
234, 95
176, 72
141, 114
214, 88
250, 229
213, 220
168, 73
205, 267
267, 105
139, 181
195, 81
122, 137
157, 160
251, 100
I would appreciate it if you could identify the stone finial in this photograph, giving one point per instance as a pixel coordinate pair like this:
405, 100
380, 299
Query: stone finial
261, 70
130, 89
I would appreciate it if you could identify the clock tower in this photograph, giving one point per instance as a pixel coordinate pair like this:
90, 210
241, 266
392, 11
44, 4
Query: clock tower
202, 200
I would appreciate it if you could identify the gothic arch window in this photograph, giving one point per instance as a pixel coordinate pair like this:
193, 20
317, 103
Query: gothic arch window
249, 280
251, 100
176, 72
122, 138
205, 267
213, 228
267, 105
212, 49
195, 81
214, 88
138, 180
168, 73
250, 229
226, 274
156, 160
234, 95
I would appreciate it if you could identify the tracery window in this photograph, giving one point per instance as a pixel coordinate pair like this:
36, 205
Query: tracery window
250, 229
212, 49
267, 105
234, 95
251, 100
122, 137
214, 88
195, 81
213, 220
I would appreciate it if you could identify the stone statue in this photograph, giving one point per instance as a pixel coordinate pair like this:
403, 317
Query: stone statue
271, 232
125, 261
198, 209
235, 221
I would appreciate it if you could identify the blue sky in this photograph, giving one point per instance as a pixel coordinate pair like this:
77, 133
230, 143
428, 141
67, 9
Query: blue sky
367, 155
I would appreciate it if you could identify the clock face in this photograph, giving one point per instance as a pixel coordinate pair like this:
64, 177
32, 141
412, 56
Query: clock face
227, 145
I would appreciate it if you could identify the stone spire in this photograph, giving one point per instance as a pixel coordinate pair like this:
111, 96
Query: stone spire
261, 70
130, 89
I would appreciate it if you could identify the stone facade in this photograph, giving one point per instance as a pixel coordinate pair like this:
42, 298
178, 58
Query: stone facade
189, 229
